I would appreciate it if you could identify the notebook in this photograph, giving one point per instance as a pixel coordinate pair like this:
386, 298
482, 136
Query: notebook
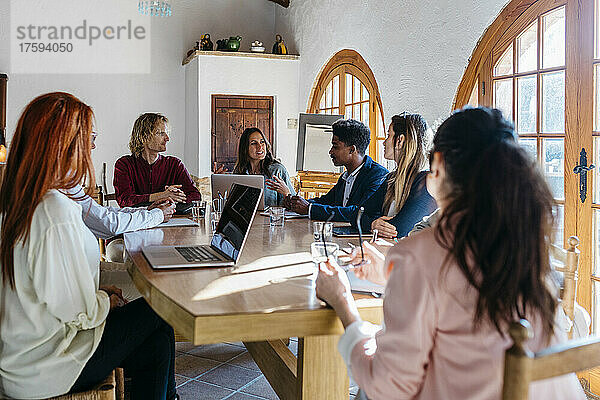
227, 241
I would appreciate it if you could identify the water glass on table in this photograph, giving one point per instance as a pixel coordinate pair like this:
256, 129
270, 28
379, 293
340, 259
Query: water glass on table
321, 251
198, 207
276, 216
215, 216
320, 229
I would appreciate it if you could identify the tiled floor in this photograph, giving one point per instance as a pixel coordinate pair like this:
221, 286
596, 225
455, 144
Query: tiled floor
223, 371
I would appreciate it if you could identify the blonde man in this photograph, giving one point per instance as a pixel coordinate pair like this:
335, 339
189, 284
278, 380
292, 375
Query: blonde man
146, 175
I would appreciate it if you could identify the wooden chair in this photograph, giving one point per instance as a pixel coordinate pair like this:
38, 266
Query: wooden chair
522, 366
313, 184
106, 197
108, 389
566, 261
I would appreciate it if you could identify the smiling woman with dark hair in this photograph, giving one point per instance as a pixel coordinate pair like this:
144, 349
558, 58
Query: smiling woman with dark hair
255, 158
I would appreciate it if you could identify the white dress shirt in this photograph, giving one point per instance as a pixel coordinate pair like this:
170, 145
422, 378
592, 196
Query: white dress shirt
52, 322
349, 178
106, 222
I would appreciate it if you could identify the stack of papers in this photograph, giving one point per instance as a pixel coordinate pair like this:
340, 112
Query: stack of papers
363, 286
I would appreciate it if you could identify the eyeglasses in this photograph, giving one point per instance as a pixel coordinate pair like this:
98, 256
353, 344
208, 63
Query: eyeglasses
94, 135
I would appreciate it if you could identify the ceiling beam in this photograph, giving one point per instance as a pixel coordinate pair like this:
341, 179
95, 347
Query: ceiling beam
283, 3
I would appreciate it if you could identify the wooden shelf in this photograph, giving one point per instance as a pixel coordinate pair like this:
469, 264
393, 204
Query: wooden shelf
239, 54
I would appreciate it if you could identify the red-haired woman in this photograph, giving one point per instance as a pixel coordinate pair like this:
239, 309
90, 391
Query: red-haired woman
59, 332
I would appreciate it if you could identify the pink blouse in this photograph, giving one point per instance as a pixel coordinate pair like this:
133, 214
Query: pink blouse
428, 348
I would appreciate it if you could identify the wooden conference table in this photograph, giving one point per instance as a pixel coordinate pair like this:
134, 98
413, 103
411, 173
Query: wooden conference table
268, 296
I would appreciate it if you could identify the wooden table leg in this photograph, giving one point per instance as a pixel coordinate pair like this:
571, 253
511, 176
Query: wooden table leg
321, 370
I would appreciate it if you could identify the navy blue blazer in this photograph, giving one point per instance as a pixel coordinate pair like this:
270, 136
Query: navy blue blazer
368, 179
418, 205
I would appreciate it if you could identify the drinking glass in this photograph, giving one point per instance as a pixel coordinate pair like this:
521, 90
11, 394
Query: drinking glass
320, 251
276, 216
321, 228
198, 207
215, 216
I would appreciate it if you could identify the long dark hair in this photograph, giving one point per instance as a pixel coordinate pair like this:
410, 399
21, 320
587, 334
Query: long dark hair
409, 161
497, 223
50, 150
243, 160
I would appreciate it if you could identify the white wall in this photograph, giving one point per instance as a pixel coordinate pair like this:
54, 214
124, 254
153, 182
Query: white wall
417, 49
118, 99
244, 76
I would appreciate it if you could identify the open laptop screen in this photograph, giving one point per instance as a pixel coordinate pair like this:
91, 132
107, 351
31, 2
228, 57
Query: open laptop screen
236, 218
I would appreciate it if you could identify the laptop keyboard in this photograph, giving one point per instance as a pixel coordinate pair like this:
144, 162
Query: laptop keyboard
196, 253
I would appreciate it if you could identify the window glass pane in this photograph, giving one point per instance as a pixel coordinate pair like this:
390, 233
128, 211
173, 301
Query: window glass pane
322, 102
356, 92
553, 102
596, 244
348, 113
559, 225
365, 113
530, 146
597, 97
473, 100
356, 112
595, 307
380, 152
364, 93
328, 96
554, 165
596, 171
527, 104
504, 66
527, 49
336, 90
335, 111
503, 100
348, 88
553, 31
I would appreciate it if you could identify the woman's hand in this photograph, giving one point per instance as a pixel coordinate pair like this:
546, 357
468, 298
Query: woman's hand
115, 295
277, 184
333, 287
219, 169
386, 230
166, 206
372, 269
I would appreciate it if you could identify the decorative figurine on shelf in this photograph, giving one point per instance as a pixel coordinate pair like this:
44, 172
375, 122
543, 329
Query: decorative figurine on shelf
205, 43
196, 47
233, 44
257, 47
279, 46
222, 45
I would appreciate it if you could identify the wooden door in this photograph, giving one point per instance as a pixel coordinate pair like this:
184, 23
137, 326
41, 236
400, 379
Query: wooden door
231, 114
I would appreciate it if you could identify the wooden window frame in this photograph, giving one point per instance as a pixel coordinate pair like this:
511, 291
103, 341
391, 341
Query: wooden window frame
351, 62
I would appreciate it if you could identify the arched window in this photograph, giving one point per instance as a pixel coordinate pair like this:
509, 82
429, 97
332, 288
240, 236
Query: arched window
346, 86
539, 62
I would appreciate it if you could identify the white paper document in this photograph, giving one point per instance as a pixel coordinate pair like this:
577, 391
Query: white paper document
178, 222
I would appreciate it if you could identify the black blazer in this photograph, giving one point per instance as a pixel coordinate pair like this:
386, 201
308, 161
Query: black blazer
368, 180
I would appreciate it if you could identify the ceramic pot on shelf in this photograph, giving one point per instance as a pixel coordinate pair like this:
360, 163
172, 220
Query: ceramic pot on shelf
233, 44
222, 45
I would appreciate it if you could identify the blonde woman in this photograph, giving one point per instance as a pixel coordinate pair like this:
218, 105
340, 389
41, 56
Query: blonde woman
402, 200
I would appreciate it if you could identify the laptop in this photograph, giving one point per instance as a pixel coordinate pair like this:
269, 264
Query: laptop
227, 241
221, 183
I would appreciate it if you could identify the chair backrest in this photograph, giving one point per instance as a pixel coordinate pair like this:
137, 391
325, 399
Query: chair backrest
522, 366
567, 262
313, 184
107, 197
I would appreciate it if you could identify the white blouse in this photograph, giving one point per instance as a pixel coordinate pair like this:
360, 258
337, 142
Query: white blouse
52, 322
